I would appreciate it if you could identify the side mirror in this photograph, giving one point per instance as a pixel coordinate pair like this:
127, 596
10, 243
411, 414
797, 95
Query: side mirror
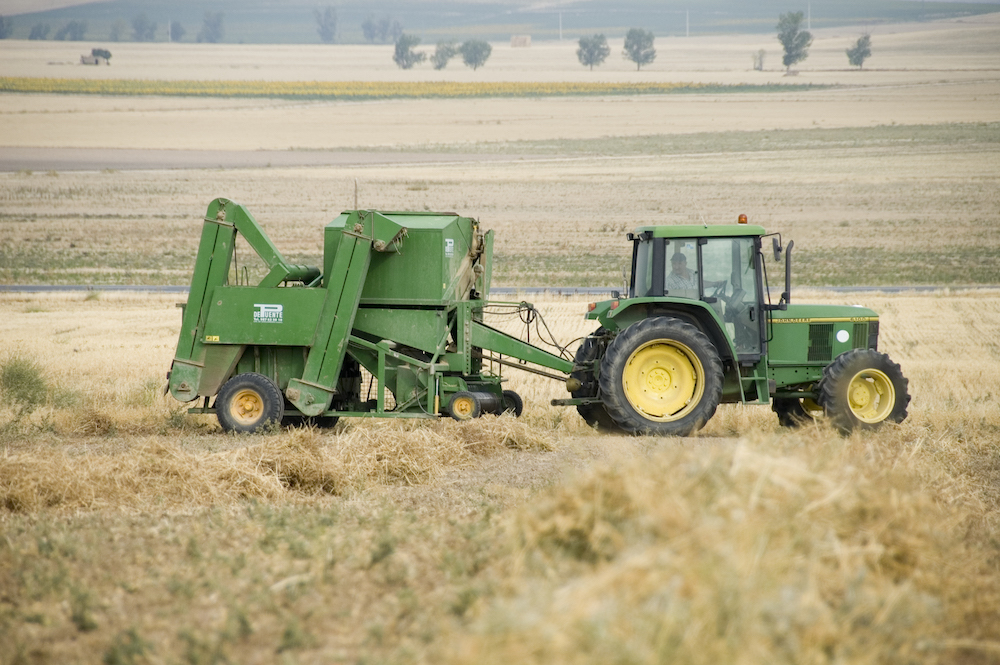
777, 248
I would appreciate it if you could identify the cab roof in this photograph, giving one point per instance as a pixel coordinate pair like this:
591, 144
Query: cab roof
703, 230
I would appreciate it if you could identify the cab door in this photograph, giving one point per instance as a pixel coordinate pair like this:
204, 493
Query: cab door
730, 276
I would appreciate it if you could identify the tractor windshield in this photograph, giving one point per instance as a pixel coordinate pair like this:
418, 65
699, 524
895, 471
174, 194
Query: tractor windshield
719, 271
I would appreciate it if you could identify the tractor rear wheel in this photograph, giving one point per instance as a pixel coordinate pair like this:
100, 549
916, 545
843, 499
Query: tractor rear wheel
247, 402
591, 350
862, 389
661, 376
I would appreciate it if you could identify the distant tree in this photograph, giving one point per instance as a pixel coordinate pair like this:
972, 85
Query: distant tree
6, 27
861, 51
475, 53
383, 30
639, 47
390, 29
143, 30
443, 54
404, 55
594, 50
177, 31
793, 38
118, 30
326, 24
758, 60
39, 31
370, 29
212, 30
74, 31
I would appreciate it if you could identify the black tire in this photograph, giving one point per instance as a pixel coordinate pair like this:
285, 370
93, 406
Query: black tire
465, 406
863, 389
247, 402
595, 415
661, 376
512, 403
791, 411
322, 422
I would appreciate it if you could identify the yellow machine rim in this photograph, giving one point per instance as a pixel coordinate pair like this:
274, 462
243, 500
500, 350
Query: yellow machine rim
247, 406
463, 407
663, 380
871, 396
811, 408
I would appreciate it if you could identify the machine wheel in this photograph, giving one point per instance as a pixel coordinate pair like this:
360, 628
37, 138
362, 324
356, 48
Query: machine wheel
512, 403
795, 412
248, 402
661, 376
464, 406
862, 389
595, 414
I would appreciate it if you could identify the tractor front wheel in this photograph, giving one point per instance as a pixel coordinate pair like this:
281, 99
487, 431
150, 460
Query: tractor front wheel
661, 376
862, 389
247, 402
795, 412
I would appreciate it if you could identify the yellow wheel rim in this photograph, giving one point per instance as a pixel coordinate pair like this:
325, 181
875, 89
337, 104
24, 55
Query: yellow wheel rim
463, 407
246, 407
871, 396
663, 380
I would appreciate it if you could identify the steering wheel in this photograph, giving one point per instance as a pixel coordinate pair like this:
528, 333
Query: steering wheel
734, 305
720, 291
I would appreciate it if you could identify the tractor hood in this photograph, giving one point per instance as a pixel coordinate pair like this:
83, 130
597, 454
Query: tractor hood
801, 313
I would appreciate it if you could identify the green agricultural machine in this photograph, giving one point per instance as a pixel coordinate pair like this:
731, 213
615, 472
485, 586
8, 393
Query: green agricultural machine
400, 296
393, 326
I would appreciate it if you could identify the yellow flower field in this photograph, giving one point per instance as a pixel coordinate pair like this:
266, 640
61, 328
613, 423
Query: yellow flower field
351, 89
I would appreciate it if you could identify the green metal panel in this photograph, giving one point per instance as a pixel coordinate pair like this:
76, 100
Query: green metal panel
816, 334
253, 315
434, 263
422, 329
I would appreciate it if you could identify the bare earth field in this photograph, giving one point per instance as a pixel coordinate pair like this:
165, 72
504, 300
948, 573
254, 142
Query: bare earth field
131, 532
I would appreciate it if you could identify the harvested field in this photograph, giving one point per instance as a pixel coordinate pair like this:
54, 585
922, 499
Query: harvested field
431, 540
132, 532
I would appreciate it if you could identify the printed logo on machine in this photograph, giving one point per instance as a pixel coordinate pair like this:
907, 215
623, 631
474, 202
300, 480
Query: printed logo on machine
449, 247
268, 313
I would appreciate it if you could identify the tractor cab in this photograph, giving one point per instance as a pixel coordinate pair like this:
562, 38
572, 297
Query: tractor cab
719, 266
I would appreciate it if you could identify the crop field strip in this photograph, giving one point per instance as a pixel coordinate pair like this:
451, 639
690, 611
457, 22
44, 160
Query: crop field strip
368, 90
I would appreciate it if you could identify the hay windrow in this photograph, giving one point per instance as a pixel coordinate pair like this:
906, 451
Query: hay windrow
156, 473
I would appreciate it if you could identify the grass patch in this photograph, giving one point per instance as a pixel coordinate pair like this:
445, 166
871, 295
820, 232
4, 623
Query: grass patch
909, 137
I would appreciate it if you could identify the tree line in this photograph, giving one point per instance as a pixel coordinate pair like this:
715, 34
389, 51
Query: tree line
592, 50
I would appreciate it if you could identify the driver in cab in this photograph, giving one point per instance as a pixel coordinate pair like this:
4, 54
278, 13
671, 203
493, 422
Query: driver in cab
683, 283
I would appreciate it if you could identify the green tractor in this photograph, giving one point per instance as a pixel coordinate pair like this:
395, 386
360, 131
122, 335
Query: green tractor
392, 325
697, 328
